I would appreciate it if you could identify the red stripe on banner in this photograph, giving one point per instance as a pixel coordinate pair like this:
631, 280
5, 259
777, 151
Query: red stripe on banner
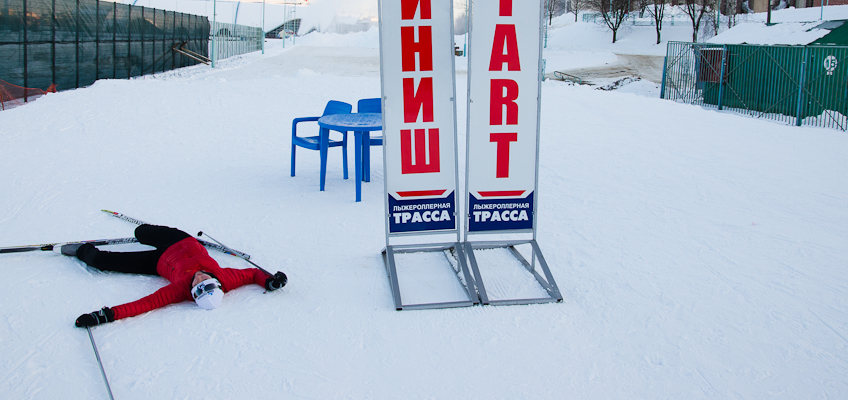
498, 193
416, 193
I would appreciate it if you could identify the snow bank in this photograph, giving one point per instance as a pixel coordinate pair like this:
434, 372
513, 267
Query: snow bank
370, 39
630, 40
789, 33
805, 14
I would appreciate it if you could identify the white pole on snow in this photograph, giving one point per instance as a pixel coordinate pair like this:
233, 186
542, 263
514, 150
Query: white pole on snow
214, 32
465, 45
263, 26
97, 355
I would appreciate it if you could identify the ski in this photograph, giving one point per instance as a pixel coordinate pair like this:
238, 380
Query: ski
49, 246
209, 245
125, 218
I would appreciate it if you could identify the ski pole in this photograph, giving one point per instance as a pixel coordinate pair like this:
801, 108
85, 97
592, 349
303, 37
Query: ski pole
97, 354
225, 246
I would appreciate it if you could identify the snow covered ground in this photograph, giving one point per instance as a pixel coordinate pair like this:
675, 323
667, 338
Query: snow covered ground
701, 254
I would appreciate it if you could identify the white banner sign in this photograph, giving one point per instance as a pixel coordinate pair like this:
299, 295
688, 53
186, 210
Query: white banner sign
503, 87
419, 121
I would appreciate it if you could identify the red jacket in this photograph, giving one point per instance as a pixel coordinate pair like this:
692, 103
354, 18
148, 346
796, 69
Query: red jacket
178, 264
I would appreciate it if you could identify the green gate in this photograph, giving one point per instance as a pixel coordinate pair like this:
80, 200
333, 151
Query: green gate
793, 84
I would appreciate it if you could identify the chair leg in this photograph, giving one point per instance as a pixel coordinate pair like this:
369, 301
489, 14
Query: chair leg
325, 141
366, 157
292, 159
344, 154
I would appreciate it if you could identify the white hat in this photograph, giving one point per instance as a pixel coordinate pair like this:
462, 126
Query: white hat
208, 294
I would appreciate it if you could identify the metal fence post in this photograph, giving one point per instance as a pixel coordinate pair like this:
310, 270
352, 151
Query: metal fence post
77, 37
114, 40
129, 41
26, 26
53, 43
214, 33
97, 42
665, 65
173, 38
799, 118
721, 77
142, 41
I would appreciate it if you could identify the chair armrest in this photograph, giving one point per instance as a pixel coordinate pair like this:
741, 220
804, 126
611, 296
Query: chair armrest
299, 120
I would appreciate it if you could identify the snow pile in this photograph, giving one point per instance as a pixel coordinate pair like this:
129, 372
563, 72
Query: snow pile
789, 33
804, 14
583, 36
370, 39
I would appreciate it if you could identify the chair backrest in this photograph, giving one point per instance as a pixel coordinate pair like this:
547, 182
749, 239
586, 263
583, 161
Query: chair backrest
337, 107
369, 106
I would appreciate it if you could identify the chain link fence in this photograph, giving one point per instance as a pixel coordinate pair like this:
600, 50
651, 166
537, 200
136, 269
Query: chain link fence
232, 39
634, 19
800, 85
73, 43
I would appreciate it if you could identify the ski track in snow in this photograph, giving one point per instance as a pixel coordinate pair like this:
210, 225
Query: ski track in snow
701, 254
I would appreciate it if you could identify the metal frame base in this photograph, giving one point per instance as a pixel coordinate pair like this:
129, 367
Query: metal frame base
469, 285
547, 283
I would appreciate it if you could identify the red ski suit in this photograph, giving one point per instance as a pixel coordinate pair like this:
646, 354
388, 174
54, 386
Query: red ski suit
178, 264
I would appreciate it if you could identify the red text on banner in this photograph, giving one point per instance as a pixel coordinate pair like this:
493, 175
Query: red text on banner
505, 39
503, 92
416, 102
408, 7
419, 155
502, 159
505, 8
420, 165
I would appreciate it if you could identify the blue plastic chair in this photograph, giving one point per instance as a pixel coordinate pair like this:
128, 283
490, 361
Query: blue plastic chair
369, 106
314, 142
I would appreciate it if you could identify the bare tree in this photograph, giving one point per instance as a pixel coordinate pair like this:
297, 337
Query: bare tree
695, 10
549, 5
643, 5
729, 9
553, 8
614, 12
576, 6
657, 11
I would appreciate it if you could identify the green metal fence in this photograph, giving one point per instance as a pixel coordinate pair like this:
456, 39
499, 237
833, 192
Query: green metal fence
800, 85
72, 43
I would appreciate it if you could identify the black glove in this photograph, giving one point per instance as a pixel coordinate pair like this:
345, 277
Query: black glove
96, 318
276, 282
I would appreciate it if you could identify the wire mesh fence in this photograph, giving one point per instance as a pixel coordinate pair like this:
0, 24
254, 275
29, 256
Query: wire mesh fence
232, 39
72, 43
634, 19
800, 85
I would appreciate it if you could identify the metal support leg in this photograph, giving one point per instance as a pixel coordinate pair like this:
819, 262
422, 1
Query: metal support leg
547, 282
391, 270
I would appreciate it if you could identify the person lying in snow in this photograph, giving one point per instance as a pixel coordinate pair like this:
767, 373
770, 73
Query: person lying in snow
179, 258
